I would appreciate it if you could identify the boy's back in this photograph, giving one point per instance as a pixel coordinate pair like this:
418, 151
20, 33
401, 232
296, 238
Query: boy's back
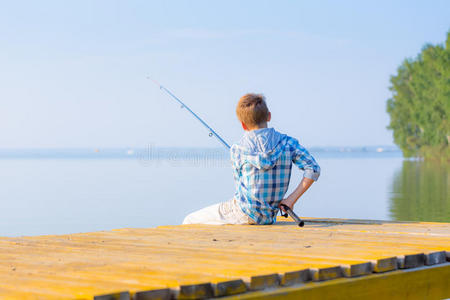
262, 164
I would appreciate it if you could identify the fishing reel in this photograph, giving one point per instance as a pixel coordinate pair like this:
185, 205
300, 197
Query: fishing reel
283, 214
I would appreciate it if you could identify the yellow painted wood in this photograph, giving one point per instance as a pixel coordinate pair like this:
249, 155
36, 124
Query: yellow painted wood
428, 283
135, 259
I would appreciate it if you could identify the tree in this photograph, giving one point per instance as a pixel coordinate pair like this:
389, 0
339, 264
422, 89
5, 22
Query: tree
420, 103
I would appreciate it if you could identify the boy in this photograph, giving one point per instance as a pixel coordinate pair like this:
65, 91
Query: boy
262, 162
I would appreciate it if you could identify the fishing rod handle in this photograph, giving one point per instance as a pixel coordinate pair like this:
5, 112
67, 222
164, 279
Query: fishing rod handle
293, 215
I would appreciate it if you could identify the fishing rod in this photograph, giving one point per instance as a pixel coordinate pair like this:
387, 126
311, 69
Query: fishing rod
211, 131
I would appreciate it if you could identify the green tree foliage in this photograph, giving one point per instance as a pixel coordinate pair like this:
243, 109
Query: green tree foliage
420, 103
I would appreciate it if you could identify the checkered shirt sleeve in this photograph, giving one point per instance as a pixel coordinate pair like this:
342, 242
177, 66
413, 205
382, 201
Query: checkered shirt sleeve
304, 160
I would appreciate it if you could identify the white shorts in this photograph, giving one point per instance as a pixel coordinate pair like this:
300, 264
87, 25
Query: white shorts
227, 212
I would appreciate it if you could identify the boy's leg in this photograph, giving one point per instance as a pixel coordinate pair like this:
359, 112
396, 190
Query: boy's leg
231, 211
226, 212
208, 215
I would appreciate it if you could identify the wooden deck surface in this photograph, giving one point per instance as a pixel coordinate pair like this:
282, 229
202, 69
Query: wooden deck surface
197, 261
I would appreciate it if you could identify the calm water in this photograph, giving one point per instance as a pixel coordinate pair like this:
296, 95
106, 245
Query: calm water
45, 195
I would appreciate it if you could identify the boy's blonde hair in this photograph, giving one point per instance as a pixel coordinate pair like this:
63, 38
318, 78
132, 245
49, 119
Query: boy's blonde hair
252, 110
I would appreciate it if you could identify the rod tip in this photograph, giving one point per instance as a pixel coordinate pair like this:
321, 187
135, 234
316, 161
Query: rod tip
154, 81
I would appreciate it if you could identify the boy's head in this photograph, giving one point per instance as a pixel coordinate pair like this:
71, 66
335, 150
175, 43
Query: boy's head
252, 111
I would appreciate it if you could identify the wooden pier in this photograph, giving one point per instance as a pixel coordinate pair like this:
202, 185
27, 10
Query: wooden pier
326, 259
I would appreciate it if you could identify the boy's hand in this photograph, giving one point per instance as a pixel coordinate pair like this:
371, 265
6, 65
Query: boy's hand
292, 198
288, 202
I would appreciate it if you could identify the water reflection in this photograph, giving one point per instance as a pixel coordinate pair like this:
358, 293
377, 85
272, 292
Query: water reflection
420, 192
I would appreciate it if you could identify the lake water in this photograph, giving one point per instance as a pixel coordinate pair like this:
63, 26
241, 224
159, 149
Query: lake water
51, 192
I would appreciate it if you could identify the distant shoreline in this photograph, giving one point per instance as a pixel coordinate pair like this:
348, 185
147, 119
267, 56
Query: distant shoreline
155, 153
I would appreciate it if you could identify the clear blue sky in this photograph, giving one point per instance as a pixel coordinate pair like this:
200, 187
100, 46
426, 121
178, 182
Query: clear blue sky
73, 73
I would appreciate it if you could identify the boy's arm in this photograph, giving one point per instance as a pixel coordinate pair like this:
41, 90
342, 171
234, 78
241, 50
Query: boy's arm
304, 160
298, 192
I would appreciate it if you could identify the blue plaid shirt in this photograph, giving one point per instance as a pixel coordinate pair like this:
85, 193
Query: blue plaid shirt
262, 163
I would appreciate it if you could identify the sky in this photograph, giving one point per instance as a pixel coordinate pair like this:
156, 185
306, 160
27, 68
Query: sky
75, 73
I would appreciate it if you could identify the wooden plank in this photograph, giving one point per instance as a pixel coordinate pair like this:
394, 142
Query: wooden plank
435, 258
196, 291
159, 294
411, 261
261, 282
296, 277
315, 250
114, 296
231, 287
367, 245
327, 273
